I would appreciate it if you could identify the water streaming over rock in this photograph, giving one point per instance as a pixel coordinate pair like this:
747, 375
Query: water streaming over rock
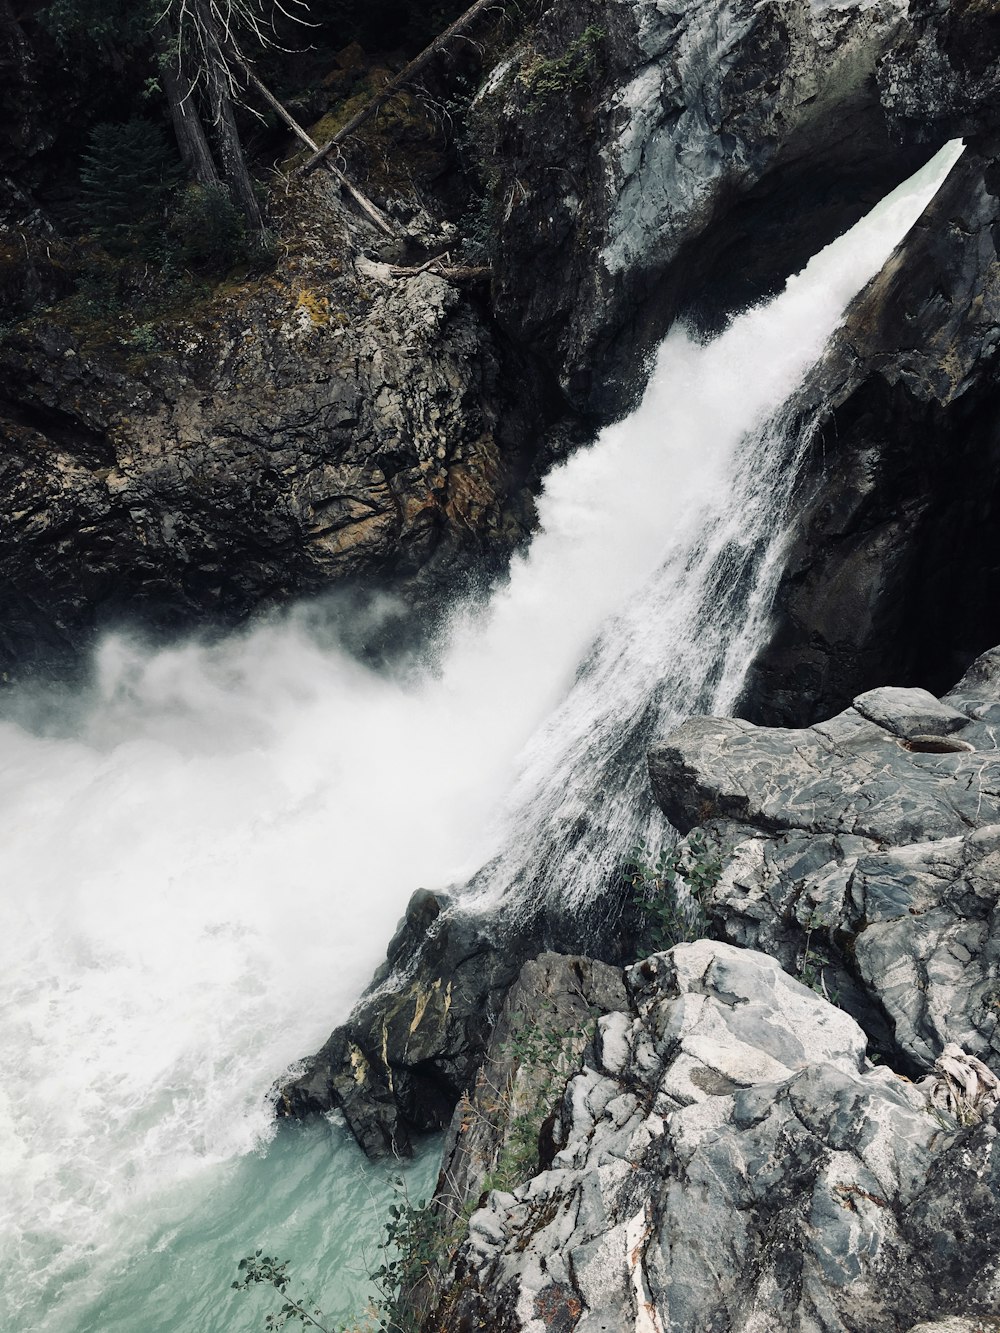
203, 856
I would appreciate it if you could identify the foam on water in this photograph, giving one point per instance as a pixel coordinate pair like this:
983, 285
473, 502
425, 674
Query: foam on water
199, 879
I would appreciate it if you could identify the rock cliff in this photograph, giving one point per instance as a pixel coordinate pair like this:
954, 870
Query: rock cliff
713, 1147
646, 159
893, 572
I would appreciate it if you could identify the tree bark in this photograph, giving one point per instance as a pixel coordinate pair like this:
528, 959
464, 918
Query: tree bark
229, 150
394, 85
188, 129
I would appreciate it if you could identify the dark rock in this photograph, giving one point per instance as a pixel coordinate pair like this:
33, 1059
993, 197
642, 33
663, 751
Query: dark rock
411, 1046
945, 69
894, 569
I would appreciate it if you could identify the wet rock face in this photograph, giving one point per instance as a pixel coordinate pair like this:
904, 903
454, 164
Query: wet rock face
416, 1040
864, 854
323, 428
894, 571
412, 1046
730, 1160
645, 158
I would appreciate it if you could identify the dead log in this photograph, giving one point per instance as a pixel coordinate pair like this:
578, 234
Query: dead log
451, 272
394, 85
362, 201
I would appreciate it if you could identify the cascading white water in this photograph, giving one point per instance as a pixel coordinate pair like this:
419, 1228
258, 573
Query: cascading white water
203, 860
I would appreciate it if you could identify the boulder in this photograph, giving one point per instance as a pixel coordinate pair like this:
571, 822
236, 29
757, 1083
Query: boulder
416, 1040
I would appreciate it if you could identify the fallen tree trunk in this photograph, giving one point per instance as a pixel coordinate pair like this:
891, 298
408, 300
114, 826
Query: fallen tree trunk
453, 272
363, 202
403, 77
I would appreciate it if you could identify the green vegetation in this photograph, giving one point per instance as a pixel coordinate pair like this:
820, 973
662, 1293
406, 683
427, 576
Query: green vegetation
671, 888
814, 960
259, 1268
572, 71
209, 231
416, 1253
127, 177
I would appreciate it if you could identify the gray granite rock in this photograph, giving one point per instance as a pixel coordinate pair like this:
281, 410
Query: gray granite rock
730, 1161
869, 868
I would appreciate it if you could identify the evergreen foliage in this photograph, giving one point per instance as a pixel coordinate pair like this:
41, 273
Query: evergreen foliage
126, 178
108, 25
209, 230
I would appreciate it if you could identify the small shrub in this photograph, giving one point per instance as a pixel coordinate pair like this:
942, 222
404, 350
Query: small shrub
670, 891
813, 961
260, 1268
144, 339
416, 1252
209, 230
568, 73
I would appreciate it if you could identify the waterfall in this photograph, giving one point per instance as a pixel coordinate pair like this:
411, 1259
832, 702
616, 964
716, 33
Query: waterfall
204, 853
714, 462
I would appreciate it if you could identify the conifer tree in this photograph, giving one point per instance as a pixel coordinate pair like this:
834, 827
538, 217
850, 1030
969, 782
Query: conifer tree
127, 173
199, 49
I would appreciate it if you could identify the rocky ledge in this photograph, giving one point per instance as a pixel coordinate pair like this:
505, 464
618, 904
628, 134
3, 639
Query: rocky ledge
863, 852
727, 1158
794, 1126
327, 423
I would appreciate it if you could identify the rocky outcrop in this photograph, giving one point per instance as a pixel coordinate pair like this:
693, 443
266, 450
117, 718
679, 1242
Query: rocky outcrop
944, 72
729, 1159
644, 158
414, 1042
417, 1039
894, 569
546, 1026
864, 854
325, 423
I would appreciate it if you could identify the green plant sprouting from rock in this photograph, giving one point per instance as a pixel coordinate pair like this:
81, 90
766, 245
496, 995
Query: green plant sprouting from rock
670, 888
567, 73
813, 961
